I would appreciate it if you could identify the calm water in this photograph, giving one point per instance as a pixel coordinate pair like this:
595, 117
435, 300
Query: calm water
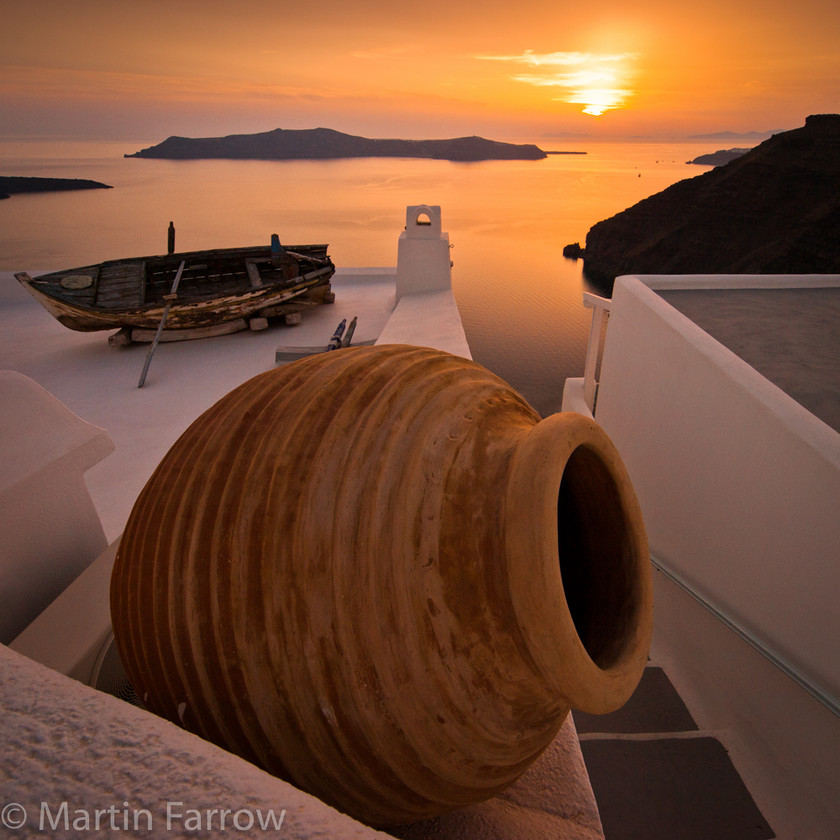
508, 221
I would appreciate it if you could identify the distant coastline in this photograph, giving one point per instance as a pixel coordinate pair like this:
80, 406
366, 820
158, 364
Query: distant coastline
325, 143
720, 157
10, 185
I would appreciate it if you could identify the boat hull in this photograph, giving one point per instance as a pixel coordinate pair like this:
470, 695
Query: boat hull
245, 283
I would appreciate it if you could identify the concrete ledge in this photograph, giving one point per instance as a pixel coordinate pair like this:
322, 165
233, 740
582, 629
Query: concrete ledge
552, 800
737, 281
64, 742
427, 319
348, 276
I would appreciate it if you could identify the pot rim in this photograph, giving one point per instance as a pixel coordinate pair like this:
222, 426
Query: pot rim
590, 680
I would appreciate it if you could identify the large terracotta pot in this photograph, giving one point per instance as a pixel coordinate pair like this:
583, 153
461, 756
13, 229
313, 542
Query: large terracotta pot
378, 574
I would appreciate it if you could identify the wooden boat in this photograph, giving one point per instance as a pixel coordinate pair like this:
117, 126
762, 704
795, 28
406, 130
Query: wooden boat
215, 288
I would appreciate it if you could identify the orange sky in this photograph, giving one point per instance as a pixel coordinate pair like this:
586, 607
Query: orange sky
425, 68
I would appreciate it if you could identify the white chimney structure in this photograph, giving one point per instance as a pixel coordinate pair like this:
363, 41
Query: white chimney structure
423, 263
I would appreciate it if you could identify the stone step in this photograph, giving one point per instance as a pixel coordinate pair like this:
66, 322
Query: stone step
657, 777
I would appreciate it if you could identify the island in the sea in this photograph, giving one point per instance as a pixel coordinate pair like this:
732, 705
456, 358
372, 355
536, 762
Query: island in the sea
325, 143
11, 184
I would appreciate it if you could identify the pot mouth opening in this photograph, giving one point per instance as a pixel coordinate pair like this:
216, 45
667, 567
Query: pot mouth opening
598, 558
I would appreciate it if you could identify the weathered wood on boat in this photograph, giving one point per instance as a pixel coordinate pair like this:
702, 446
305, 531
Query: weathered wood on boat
313, 297
253, 273
217, 286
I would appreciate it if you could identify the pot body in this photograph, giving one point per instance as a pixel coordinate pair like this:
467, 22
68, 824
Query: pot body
378, 574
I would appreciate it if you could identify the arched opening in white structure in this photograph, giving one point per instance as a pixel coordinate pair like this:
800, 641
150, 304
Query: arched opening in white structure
423, 216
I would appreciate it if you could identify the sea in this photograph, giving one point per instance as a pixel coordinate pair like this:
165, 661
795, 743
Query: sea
520, 300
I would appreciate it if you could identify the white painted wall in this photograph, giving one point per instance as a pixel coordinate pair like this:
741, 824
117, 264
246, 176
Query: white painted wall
739, 485
49, 528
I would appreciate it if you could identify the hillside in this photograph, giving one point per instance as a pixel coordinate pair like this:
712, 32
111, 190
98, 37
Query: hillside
775, 209
324, 143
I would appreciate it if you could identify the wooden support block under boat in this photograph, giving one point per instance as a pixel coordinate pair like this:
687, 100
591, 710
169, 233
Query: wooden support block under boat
121, 337
139, 334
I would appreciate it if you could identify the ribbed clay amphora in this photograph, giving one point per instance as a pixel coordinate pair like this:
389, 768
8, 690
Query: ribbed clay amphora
376, 573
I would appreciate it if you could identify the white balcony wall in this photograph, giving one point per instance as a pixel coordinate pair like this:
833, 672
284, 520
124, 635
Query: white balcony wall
739, 485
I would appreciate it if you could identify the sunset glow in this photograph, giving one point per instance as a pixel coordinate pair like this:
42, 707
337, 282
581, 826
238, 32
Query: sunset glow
154, 68
596, 81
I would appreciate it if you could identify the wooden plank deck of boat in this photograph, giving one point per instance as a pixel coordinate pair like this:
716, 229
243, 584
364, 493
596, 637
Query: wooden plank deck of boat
121, 285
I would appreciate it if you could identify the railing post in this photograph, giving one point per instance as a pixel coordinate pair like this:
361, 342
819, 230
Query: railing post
599, 306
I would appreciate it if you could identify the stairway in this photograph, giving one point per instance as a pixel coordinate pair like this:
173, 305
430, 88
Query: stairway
656, 776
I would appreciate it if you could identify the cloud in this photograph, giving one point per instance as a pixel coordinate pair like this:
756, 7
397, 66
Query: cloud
600, 81
559, 59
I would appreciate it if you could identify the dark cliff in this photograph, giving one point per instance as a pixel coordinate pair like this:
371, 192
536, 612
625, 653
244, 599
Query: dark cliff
775, 209
324, 143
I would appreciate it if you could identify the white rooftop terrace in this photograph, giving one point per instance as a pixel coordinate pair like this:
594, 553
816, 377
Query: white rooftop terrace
790, 335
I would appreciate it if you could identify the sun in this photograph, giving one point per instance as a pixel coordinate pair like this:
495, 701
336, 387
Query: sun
598, 81
599, 100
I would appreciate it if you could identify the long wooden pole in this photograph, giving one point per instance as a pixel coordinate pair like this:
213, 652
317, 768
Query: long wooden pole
168, 298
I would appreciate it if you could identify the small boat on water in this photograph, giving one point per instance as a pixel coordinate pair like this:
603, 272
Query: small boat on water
212, 289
